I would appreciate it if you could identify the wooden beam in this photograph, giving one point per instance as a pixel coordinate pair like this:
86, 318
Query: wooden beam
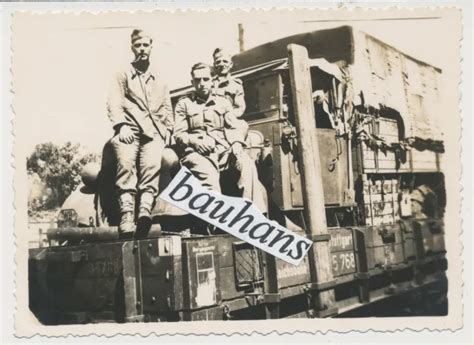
310, 167
131, 282
241, 38
272, 310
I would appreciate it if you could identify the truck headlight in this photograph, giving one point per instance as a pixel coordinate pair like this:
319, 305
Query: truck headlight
67, 218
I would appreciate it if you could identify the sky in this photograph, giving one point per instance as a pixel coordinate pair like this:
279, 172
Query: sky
63, 63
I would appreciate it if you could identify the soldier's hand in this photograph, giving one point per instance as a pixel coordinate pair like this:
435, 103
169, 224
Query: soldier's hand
203, 145
126, 135
209, 144
230, 120
237, 149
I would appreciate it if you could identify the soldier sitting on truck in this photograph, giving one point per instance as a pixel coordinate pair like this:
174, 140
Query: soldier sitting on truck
139, 108
225, 84
211, 139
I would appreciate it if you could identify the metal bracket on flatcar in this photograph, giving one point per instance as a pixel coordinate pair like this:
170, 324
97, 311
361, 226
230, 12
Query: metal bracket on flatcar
419, 263
227, 312
135, 318
435, 227
267, 298
319, 238
392, 289
387, 236
67, 256
271, 298
405, 229
326, 312
362, 275
321, 286
320, 312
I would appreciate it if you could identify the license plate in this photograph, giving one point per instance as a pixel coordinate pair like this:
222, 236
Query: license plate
343, 263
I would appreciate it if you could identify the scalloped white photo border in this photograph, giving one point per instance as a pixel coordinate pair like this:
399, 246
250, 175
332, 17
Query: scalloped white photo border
26, 328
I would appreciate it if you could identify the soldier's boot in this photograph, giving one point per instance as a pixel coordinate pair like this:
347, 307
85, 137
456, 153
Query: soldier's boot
200, 227
144, 214
146, 205
127, 223
127, 205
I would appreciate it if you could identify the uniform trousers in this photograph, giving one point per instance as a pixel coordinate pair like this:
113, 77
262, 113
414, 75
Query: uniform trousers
242, 170
138, 166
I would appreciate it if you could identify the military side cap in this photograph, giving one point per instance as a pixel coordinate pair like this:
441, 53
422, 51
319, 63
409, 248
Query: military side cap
138, 34
219, 52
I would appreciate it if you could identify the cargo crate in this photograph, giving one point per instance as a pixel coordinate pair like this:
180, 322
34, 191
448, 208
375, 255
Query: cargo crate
174, 278
200, 265
409, 241
77, 283
429, 237
153, 277
381, 201
384, 246
370, 160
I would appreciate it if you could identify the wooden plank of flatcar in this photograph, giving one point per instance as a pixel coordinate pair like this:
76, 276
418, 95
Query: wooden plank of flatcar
132, 300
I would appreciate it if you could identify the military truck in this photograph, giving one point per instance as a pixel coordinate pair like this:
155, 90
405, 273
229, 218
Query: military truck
343, 137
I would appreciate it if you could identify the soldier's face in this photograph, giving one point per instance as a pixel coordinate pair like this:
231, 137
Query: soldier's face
222, 64
202, 81
141, 48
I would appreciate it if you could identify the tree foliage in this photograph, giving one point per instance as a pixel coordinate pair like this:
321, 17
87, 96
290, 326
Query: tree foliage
58, 167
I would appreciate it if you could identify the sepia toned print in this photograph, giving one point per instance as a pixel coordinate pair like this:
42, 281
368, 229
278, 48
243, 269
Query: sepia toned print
311, 168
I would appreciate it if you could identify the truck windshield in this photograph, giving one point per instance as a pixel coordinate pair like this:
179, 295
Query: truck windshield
323, 98
262, 97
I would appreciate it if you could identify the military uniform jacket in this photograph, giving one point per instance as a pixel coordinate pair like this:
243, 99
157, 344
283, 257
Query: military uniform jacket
214, 117
142, 101
231, 88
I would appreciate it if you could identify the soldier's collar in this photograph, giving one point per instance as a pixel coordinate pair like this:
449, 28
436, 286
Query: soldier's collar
199, 99
148, 74
224, 79
210, 100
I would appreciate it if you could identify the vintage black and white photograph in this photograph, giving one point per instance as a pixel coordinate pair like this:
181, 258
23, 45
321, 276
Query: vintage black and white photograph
237, 166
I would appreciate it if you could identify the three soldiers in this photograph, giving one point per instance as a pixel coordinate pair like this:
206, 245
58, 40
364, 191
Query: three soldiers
210, 136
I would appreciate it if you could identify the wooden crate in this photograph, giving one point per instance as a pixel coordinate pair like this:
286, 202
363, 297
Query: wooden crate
384, 246
232, 253
378, 161
88, 274
427, 160
201, 264
291, 275
381, 205
157, 270
108, 281
429, 237
409, 240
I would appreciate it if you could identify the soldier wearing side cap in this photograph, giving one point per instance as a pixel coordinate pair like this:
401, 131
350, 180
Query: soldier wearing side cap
140, 110
225, 84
